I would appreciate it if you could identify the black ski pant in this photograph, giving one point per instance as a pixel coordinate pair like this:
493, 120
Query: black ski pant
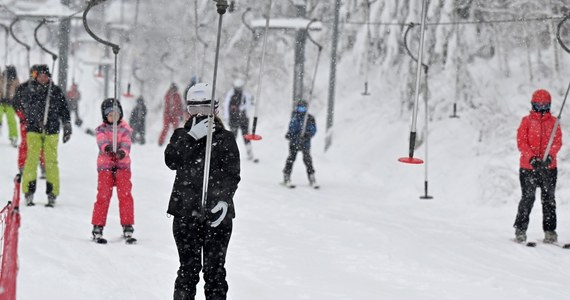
240, 123
307, 159
194, 238
530, 181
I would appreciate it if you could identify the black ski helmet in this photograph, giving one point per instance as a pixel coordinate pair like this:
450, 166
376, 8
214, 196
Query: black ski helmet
107, 107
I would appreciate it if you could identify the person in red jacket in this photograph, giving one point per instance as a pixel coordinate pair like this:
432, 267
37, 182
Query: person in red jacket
114, 169
533, 135
172, 111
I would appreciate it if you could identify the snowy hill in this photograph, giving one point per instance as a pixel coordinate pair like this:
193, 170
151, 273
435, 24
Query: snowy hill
364, 235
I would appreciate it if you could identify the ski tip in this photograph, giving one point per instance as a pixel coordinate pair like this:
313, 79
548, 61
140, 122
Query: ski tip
100, 241
288, 185
566, 246
130, 241
410, 160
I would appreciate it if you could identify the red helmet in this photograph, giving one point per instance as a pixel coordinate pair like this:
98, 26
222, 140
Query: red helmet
541, 96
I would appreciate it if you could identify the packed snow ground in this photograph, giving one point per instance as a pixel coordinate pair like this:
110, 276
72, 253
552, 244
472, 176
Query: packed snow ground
364, 235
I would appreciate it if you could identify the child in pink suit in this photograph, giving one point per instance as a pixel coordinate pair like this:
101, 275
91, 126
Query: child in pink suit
114, 169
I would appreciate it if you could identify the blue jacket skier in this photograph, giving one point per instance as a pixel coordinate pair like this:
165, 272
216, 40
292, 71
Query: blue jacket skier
302, 128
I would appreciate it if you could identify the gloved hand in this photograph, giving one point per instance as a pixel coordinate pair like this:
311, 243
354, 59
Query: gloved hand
223, 206
108, 149
536, 163
200, 129
288, 136
121, 154
66, 132
548, 161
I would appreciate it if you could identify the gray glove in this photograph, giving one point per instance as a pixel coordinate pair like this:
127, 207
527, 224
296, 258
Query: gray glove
200, 129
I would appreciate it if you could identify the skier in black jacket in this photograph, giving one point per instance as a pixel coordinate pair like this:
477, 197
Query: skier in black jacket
193, 232
43, 133
137, 121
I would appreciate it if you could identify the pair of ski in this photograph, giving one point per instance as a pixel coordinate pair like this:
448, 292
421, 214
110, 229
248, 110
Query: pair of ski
534, 244
128, 240
292, 186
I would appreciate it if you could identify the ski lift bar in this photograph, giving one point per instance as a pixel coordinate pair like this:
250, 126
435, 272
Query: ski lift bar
91, 4
410, 159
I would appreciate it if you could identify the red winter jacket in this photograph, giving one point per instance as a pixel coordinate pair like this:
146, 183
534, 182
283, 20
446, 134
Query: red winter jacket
172, 106
532, 138
108, 161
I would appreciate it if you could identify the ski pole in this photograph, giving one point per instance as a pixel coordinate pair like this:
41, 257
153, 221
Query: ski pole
310, 99
91, 4
222, 6
253, 136
557, 123
410, 159
54, 58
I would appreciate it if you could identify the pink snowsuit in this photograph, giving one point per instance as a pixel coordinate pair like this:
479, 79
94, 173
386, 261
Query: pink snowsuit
113, 171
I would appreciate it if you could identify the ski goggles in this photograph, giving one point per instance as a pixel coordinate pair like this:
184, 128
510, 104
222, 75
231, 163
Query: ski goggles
202, 108
301, 109
540, 107
109, 110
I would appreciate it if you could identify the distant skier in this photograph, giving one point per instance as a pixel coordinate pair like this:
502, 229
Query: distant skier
532, 139
237, 106
299, 136
8, 86
138, 120
113, 169
73, 97
202, 241
172, 112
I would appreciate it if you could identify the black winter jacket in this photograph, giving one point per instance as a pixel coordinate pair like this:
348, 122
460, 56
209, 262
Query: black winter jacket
32, 97
186, 156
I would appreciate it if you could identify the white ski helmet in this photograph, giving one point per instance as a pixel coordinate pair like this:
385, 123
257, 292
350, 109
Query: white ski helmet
198, 99
238, 84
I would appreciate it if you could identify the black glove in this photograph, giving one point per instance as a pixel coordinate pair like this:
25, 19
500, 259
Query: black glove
548, 161
288, 136
121, 154
108, 149
66, 132
536, 163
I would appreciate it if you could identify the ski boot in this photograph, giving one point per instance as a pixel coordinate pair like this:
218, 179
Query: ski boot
520, 236
550, 237
287, 179
29, 199
249, 152
128, 231
51, 200
313, 181
97, 233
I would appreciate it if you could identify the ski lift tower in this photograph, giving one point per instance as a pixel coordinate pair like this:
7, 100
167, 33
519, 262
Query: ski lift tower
299, 24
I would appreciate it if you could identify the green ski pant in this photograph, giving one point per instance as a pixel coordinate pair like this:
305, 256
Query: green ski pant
37, 141
11, 118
